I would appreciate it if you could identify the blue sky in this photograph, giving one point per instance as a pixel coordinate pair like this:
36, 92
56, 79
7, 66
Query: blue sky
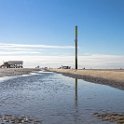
51, 23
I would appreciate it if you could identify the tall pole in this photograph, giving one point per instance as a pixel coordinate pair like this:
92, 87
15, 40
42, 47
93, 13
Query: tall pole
76, 47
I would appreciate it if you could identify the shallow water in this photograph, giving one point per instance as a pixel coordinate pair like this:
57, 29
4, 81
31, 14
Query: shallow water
57, 99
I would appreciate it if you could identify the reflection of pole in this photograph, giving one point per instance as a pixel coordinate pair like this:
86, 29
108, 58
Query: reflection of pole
76, 47
76, 92
76, 115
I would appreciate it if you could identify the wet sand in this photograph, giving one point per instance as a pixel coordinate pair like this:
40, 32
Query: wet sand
112, 117
11, 119
114, 78
16, 71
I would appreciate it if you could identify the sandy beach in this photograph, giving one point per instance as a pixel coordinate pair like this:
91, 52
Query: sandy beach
16, 71
114, 78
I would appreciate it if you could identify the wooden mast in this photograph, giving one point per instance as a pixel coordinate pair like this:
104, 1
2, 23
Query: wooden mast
76, 47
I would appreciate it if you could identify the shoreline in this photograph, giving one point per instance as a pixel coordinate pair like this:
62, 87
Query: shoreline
16, 71
113, 78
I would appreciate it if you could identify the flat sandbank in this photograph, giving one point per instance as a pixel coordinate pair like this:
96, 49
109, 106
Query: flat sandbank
112, 117
113, 78
16, 71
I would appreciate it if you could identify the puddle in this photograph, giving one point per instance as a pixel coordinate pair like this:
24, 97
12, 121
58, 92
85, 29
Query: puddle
54, 98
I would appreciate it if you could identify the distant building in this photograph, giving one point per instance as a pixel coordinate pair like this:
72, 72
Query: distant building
65, 67
37, 67
12, 64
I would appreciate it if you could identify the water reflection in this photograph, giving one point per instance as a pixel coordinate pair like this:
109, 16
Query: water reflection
76, 92
76, 115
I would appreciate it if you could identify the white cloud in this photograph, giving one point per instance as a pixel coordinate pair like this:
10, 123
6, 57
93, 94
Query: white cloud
89, 61
15, 49
18, 53
28, 46
32, 55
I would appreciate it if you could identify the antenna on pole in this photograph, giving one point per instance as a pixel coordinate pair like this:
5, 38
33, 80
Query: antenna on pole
76, 47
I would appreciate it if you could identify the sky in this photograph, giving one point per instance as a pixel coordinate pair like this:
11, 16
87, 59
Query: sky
41, 32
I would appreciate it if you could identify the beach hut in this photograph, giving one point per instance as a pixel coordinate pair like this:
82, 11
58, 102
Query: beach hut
65, 67
12, 64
